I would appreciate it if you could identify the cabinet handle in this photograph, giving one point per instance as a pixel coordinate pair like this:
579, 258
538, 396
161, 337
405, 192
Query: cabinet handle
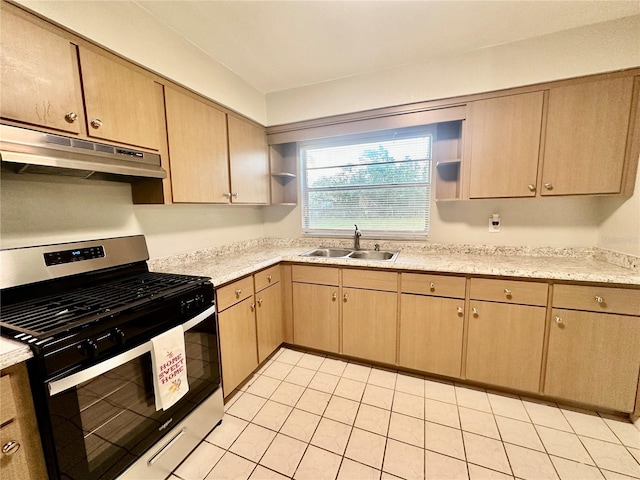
71, 117
474, 310
234, 195
531, 187
558, 319
269, 277
96, 123
507, 292
238, 292
432, 286
460, 310
227, 195
10, 447
345, 297
252, 307
334, 296
259, 302
599, 299
548, 186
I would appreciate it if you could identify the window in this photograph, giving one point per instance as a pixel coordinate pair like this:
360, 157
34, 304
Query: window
379, 181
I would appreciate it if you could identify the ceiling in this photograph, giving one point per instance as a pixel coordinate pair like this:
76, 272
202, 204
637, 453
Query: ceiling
279, 45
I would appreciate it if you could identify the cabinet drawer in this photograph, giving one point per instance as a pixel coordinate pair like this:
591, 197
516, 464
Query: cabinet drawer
234, 292
437, 285
387, 281
7, 402
597, 299
267, 277
509, 291
318, 275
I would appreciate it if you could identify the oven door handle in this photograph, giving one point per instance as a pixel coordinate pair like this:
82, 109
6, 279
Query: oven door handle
65, 383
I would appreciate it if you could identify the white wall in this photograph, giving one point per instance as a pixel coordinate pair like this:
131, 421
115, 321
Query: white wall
130, 31
597, 48
38, 210
620, 223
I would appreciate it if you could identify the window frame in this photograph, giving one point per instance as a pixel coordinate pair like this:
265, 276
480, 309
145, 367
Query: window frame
373, 136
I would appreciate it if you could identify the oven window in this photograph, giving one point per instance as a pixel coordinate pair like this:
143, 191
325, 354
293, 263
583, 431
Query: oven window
106, 423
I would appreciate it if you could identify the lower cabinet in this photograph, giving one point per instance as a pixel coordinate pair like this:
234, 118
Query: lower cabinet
369, 322
238, 343
269, 322
504, 344
315, 316
431, 334
594, 358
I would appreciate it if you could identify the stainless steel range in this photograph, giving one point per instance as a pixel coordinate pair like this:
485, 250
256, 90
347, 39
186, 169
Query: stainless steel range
91, 311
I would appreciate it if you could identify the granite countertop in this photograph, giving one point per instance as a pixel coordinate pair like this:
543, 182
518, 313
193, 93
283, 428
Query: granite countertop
230, 262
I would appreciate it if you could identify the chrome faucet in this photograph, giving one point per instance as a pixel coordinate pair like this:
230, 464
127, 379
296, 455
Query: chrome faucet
356, 239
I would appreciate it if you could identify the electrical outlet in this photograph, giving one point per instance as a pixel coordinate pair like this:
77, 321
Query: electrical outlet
494, 223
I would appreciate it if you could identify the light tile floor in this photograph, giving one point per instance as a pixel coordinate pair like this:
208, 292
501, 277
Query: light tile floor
306, 416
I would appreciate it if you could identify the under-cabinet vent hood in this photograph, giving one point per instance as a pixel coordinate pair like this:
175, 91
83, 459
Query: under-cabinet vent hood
28, 151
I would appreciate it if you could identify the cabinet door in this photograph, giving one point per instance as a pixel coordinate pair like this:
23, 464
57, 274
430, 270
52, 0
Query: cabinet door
588, 159
269, 320
315, 316
504, 145
431, 334
39, 77
594, 358
197, 135
504, 346
238, 352
249, 162
120, 102
369, 323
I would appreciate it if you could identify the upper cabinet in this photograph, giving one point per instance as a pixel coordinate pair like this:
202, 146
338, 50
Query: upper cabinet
39, 75
215, 157
119, 101
504, 145
586, 137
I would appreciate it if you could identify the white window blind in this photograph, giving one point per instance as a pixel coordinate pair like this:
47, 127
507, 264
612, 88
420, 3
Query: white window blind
380, 181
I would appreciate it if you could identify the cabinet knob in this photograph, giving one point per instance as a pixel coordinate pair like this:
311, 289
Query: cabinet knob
432, 286
599, 299
234, 195
548, 186
334, 296
531, 187
507, 292
474, 310
238, 292
345, 297
460, 310
269, 277
10, 447
71, 117
558, 319
96, 123
252, 307
259, 302
227, 195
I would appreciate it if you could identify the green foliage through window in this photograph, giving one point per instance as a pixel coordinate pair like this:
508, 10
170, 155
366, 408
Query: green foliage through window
380, 183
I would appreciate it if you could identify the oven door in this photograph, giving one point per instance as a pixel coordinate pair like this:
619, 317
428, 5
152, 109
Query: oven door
104, 418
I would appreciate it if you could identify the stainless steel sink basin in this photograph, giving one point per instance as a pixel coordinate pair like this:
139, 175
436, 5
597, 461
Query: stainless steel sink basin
373, 255
351, 254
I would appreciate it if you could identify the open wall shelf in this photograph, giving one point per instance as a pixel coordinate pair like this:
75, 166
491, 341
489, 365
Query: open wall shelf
283, 160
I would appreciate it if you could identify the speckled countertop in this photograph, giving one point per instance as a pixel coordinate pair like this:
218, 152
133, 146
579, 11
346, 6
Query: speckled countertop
230, 262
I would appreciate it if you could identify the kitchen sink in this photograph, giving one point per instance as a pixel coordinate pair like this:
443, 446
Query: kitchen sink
351, 254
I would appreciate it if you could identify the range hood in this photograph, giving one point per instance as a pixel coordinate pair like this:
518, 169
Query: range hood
28, 151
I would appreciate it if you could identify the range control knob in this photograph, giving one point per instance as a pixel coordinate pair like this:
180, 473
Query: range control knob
89, 348
117, 336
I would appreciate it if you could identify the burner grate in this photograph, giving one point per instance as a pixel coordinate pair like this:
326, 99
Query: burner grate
58, 313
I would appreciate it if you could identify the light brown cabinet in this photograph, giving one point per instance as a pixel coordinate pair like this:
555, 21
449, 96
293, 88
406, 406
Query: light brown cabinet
431, 325
269, 321
248, 162
283, 161
22, 456
316, 307
503, 145
33, 91
586, 137
593, 354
